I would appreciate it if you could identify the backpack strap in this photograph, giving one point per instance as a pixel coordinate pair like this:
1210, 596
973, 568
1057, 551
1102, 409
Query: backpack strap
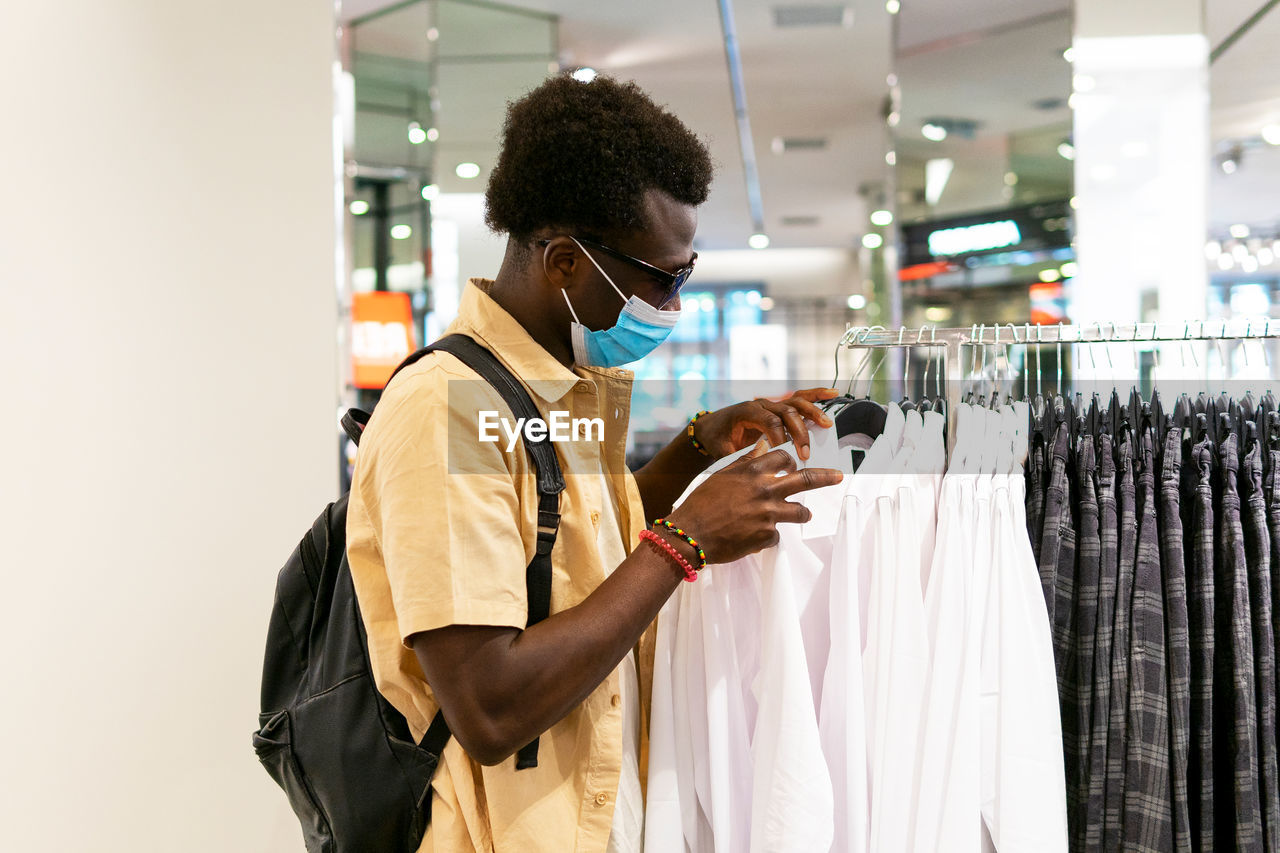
550, 482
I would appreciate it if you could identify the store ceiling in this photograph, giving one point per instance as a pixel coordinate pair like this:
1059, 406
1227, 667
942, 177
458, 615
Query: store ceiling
993, 61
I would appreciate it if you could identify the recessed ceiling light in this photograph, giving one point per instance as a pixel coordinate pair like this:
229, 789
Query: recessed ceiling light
417, 135
431, 192
585, 74
872, 240
893, 7
359, 207
856, 302
933, 132
758, 241
401, 232
432, 134
467, 170
1069, 54
1239, 231
1066, 150
1271, 134
881, 217
1069, 269
1050, 276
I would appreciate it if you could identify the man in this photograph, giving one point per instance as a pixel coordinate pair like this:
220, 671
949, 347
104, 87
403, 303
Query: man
596, 188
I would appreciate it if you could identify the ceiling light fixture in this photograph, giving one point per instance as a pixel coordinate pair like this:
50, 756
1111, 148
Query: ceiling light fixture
401, 232
467, 171
585, 74
881, 217
893, 7
1069, 54
1271, 134
856, 302
432, 134
359, 207
758, 241
933, 132
431, 192
417, 135
1066, 150
1239, 231
872, 241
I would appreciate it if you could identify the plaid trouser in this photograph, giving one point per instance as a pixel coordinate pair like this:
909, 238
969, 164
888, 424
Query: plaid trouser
1148, 807
1272, 489
1117, 727
1036, 497
1200, 621
1257, 546
1058, 550
1100, 706
1177, 636
1089, 557
1235, 700
1058, 564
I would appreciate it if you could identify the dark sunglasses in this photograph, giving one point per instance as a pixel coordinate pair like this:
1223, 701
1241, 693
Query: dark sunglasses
672, 281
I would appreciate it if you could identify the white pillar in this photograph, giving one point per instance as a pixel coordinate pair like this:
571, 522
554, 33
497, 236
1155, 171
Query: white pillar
168, 357
1141, 137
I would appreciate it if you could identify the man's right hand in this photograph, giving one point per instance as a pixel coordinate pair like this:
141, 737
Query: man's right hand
737, 510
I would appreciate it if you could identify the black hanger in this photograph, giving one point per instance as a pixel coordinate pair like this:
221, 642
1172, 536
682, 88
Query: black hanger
1199, 428
861, 417
1182, 414
1153, 412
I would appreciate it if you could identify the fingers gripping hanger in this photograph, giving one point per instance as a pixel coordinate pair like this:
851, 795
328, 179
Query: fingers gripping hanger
862, 415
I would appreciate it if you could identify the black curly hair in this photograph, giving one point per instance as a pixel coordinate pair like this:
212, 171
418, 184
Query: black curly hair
581, 156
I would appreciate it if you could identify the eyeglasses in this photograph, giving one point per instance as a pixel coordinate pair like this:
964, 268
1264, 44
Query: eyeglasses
672, 281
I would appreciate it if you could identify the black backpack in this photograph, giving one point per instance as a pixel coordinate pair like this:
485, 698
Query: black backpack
340, 751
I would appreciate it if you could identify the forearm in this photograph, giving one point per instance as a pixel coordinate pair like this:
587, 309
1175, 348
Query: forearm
668, 474
522, 683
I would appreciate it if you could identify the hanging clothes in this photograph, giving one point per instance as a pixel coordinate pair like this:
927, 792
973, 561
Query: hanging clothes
1177, 636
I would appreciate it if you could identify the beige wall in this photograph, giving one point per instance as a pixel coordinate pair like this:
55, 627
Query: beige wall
168, 377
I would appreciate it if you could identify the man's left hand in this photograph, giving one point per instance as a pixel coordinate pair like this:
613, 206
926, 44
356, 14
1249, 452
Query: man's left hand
732, 428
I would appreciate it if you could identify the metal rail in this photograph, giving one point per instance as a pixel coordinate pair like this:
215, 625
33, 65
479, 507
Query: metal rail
951, 340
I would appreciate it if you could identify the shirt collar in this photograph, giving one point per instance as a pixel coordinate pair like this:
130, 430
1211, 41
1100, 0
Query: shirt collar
483, 318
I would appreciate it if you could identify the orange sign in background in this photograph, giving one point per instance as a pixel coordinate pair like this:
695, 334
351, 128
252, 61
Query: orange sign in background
382, 336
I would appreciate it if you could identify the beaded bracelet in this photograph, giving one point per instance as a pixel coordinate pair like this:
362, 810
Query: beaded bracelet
693, 543
690, 574
697, 445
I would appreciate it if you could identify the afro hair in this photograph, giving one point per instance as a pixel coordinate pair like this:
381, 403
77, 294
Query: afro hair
582, 155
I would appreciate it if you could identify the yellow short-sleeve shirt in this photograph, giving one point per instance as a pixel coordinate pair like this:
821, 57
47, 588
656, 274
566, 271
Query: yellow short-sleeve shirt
440, 529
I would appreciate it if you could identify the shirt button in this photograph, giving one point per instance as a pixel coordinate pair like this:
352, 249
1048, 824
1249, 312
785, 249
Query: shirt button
582, 386
616, 700
601, 799
595, 518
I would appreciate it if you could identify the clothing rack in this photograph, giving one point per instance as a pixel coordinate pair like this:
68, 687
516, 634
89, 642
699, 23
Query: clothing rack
951, 341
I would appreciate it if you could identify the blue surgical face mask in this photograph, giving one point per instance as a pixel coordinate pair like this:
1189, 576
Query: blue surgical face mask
640, 330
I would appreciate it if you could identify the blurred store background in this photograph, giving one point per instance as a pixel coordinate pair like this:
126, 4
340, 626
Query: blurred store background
223, 222
899, 164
